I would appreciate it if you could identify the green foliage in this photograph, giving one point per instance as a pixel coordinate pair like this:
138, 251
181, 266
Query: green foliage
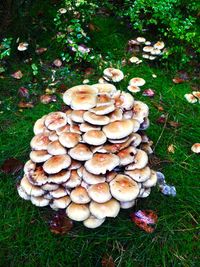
5, 49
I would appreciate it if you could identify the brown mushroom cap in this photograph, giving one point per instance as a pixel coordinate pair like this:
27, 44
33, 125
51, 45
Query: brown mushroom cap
140, 111
84, 127
99, 192
123, 188
93, 222
95, 119
78, 212
49, 186
110, 208
90, 178
80, 195
31, 189
100, 163
53, 136
39, 156
159, 45
139, 175
137, 81
105, 88
127, 155
39, 126
38, 176
29, 167
74, 180
75, 164
59, 177
40, 141
133, 88
111, 74
80, 152
120, 129
140, 161
196, 148
60, 203
60, 192
77, 116
55, 120
55, 148
103, 110
116, 115
69, 140
94, 137
83, 101
63, 129
39, 201
56, 164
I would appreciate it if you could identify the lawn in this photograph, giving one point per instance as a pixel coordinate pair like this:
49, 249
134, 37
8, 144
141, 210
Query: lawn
25, 238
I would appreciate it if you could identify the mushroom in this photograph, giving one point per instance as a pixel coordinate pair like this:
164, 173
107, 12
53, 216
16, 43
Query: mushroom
79, 195
105, 88
40, 141
39, 126
94, 137
95, 119
69, 139
103, 110
141, 39
90, 178
55, 148
93, 222
133, 89
39, 156
78, 212
22, 46
139, 175
137, 82
147, 48
140, 161
99, 192
159, 45
56, 164
127, 204
31, 189
114, 75
39, 201
55, 120
151, 181
80, 152
60, 203
127, 155
110, 208
59, 177
196, 148
74, 180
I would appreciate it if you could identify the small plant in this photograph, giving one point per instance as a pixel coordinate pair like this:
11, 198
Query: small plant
5, 49
34, 68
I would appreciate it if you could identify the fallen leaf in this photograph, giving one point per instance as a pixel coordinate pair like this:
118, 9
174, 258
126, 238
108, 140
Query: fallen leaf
148, 92
46, 99
177, 80
107, 261
158, 106
17, 75
174, 124
23, 92
60, 224
145, 219
11, 166
89, 71
171, 149
23, 104
161, 119
86, 81
57, 62
40, 50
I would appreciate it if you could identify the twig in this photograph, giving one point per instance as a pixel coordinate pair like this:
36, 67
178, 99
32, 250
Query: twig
164, 126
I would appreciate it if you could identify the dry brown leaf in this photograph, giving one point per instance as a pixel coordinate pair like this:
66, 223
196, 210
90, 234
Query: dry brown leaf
23, 104
177, 80
174, 124
11, 166
60, 224
17, 75
171, 149
107, 261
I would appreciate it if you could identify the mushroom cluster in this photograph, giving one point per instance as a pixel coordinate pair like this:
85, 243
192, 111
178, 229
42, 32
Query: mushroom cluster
90, 160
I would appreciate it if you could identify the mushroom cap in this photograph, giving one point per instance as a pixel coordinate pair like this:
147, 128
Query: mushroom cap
78, 212
123, 188
39, 201
118, 141
127, 204
190, 98
93, 222
155, 51
31, 189
103, 110
196, 148
151, 181
145, 124
144, 192
56, 164
79, 90
63, 129
99, 192
141, 39
147, 48
95, 119
60, 192
74, 180
127, 114
53, 136
40, 141
127, 155
38, 176
140, 111
29, 166
69, 139
84, 127
75, 164
59, 177
112, 74
22, 46
159, 45
39, 126
80, 152
137, 81
100, 163
55, 148
116, 115
55, 120
39, 156
77, 116
134, 59
110, 176
104, 99
139, 175
80, 195
110, 208
137, 139
124, 101
133, 88
141, 160
49, 186
83, 101
105, 88
90, 178
60, 203
94, 137
22, 193
121, 128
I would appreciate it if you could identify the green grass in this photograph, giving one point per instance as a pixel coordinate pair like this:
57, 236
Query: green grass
25, 239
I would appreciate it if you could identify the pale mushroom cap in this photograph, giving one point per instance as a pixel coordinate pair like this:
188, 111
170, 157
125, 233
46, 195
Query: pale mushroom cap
80, 152
103, 110
134, 59
39, 126
78, 212
83, 101
105, 88
39, 156
95, 119
60, 192
59, 177
144, 192
100, 192
94, 137
39, 201
80, 195
196, 148
196, 94
74, 180
110, 176
147, 48
38, 176
156, 52
146, 56
126, 101
69, 139
49, 186
114, 75
137, 140
137, 81
127, 155
77, 116
55, 148
56, 164
140, 111
118, 141
84, 127
60, 203
147, 43
22, 46
123, 188
53, 136
55, 120
159, 45
141, 160
63, 129
141, 39
104, 99
75, 164
116, 115
120, 129
22, 193
110, 208
90, 178
29, 166
151, 181
133, 89
40, 141
100, 163
127, 204
190, 98
93, 222
139, 175
31, 189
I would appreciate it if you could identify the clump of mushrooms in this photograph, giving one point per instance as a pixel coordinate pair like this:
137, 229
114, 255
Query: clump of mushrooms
91, 160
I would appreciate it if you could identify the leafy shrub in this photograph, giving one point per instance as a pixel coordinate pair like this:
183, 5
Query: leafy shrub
5, 49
